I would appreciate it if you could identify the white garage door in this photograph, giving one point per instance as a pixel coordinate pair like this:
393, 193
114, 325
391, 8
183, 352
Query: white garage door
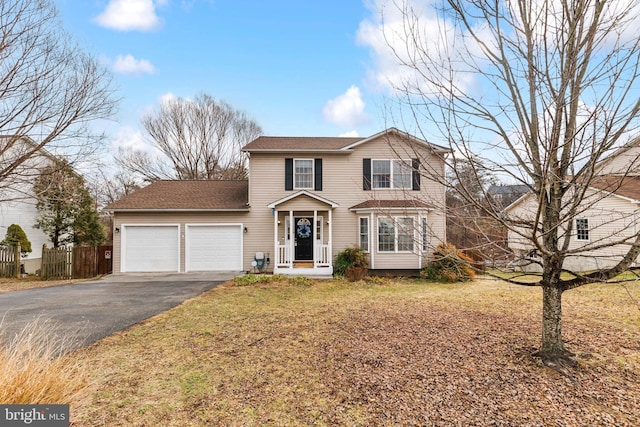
150, 248
213, 247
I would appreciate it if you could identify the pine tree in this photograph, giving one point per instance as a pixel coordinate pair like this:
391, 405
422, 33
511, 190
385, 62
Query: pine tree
87, 227
67, 212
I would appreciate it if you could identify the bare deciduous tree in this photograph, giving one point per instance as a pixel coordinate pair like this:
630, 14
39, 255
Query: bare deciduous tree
196, 138
538, 93
50, 90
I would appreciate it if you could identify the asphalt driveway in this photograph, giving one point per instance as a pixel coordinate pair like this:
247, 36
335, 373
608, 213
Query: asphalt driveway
82, 313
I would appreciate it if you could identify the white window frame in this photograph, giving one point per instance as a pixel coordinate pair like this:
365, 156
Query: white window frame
396, 234
393, 224
425, 233
395, 165
319, 229
411, 234
295, 175
364, 237
582, 231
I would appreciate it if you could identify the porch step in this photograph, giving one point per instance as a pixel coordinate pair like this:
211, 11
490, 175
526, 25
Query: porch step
303, 264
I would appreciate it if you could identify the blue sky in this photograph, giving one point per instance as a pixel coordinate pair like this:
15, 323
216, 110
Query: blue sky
299, 68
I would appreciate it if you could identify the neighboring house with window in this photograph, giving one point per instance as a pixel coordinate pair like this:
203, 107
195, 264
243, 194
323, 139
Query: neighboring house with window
610, 212
305, 200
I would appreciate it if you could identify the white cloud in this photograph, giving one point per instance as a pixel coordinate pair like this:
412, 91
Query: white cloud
387, 33
346, 109
166, 98
350, 134
127, 15
127, 64
418, 34
129, 138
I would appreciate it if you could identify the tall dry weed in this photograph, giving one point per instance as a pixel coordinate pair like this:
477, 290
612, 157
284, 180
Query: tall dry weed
34, 370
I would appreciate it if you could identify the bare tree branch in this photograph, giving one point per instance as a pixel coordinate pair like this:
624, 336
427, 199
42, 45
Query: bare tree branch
536, 93
196, 138
50, 90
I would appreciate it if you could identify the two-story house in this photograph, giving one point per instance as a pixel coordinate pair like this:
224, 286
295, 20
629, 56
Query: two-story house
305, 200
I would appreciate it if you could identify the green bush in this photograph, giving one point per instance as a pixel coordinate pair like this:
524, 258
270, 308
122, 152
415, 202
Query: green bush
355, 258
252, 279
15, 235
448, 265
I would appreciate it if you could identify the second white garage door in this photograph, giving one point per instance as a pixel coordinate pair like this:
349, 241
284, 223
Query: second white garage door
210, 247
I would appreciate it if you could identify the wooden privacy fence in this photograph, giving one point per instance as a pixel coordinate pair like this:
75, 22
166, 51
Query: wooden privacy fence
10, 261
76, 262
90, 261
57, 263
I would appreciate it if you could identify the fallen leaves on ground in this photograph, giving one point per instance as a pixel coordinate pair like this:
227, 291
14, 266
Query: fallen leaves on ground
368, 354
417, 365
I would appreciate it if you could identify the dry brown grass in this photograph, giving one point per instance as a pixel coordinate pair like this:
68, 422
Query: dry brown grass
32, 373
370, 353
31, 282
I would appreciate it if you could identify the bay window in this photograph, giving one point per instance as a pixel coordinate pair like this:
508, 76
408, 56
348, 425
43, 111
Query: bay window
395, 234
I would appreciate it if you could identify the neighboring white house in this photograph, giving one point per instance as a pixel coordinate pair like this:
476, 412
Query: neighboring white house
609, 213
17, 202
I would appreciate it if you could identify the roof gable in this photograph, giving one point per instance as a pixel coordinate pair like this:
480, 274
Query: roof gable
323, 144
274, 204
403, 136
621, 152
623, 187
186, 195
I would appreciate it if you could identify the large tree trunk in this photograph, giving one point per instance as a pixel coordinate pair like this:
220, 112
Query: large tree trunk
552, 351
552, 322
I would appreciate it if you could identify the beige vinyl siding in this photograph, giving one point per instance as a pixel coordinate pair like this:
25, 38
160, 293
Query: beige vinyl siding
626, 163
342, 184
182, 218
525, 209
611, 218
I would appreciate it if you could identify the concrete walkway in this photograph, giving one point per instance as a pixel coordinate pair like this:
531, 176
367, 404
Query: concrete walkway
82, 313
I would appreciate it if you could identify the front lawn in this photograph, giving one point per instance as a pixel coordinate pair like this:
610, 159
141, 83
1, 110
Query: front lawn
372, 353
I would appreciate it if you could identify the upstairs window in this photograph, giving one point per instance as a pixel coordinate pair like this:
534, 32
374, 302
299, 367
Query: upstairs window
303, 174
582, 229
391, 174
